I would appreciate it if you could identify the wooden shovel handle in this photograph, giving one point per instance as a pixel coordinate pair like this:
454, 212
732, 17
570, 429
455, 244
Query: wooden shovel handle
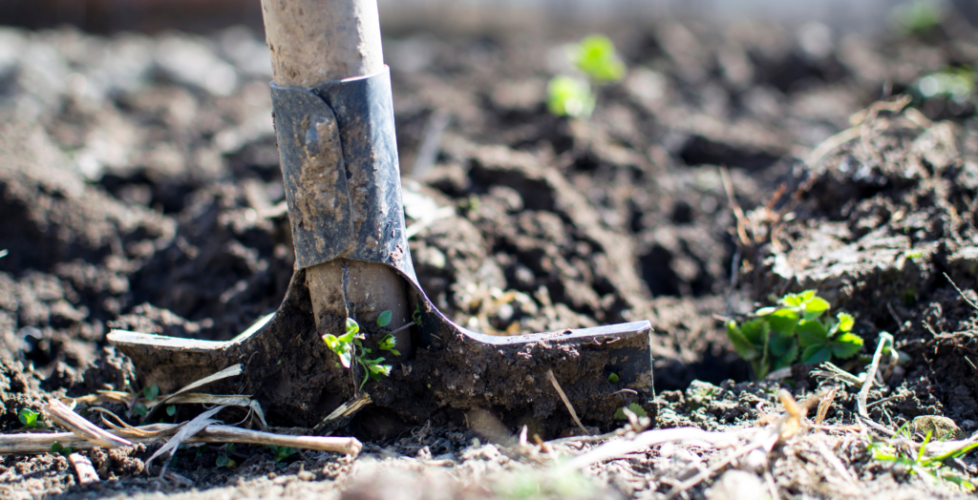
315, 41
311, 42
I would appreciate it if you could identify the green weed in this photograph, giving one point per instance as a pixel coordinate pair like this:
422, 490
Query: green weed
932, 467
596, 59
955, 83
776, 336
56, 447
634, 408
918, 17
29, 418
349, 347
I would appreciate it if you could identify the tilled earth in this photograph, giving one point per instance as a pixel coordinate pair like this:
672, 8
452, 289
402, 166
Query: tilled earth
140, 189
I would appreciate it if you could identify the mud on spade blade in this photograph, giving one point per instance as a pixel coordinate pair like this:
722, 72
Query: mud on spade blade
450, 369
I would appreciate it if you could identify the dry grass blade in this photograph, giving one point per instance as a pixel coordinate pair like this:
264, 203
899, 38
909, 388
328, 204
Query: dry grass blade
567, 403
619, 448
186, 431
871, 374
824, 405
341, 415
229, 434
221, 399
65, 417
230, 371
961, 293
834, 461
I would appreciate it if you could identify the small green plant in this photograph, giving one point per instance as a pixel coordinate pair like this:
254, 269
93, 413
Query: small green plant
568, 96
597, 61
416, 315
29, 418
772, 340
150, 393
924, 465
171, 410
918, 17
613, 378
282, 452
634, 408
955, 83
595, 56
56, 447
349, 347
384, 319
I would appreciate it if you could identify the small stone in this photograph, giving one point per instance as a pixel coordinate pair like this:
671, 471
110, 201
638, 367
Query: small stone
737, 485
306, 476
942, 427
700, 393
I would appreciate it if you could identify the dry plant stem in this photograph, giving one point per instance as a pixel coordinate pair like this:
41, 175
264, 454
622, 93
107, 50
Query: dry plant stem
83, 469
871, 375
312, 42
567, 403
963, 296
60, 414
35, 443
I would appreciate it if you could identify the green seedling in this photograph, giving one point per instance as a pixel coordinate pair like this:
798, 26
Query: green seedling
171, 410
921, 464
416, 315
29, 418
634, 408
56, 447
349, 347
282, 452
613, 378
773, 339
384, 319
955, 83
152, 392
595, 56
568, 96
918, 17
597, 61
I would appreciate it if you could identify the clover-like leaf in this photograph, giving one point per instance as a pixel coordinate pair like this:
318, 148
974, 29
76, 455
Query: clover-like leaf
352, 327
846, 322
815, 307
171, 410
764, 311
756, 331
811, 332
846, 345
741, 344
384, 319
596, 57
151, 392
28, 418
817, 353
567, 96
783, 321
793, 300
782, 350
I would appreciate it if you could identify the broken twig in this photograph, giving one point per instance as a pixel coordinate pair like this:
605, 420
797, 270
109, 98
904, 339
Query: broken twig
567, 403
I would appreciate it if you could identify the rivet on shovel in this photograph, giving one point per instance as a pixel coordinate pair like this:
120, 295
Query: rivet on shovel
334, 123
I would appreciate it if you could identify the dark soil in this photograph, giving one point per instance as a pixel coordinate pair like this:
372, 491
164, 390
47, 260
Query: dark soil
142, 194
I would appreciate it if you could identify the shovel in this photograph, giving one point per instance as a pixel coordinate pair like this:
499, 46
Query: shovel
334, 123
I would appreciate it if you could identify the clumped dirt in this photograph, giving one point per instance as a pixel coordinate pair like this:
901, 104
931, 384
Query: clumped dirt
140, 189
